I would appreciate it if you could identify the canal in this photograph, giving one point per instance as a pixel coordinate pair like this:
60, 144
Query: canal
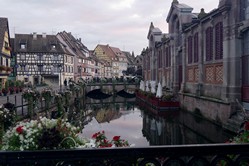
143, 127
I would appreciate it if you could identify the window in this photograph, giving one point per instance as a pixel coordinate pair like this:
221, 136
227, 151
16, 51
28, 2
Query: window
53, 46
218, 41
196, 48
209, 44
7, 62
22, 57
190, 49
6, 44
160, 62
23, 46
56, 57
166, 57
246, 9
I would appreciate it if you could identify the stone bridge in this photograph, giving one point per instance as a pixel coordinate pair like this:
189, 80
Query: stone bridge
112, 87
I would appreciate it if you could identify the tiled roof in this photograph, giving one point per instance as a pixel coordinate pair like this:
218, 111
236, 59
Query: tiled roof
118, 52
3, 28
107, 50
40, 43
75, 45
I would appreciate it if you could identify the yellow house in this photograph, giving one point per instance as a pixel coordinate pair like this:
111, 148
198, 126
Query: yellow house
105, 54
5, 51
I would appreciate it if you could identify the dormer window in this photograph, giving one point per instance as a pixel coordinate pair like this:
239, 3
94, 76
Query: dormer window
23, 46
6, 44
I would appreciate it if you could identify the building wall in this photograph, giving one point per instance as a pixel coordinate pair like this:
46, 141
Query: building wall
212, 82
5, 56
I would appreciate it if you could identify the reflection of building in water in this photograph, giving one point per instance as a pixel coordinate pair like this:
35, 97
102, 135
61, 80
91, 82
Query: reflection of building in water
182, 128
106, 115
107, 110
160, 131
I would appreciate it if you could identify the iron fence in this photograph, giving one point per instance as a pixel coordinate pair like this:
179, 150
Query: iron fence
178, 155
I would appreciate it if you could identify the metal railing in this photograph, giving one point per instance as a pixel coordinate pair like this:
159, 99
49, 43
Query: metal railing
177, 155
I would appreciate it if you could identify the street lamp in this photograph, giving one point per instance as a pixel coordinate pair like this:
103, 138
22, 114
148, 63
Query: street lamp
80, 69
60, 69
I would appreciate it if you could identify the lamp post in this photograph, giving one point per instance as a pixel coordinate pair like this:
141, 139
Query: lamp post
60, 69
80, 69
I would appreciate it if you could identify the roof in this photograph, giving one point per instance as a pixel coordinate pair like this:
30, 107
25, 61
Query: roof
118, 52
107, 50
75, 46
180, 7
129, 57
153, 30
38, 43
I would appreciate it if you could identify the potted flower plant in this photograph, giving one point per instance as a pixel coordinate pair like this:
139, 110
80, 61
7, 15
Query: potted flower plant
11, 90
5, 91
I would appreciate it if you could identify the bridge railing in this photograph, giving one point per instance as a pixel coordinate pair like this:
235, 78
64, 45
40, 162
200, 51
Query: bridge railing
181, 155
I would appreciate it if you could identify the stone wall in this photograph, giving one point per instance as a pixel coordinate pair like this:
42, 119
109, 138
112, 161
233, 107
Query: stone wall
213, 109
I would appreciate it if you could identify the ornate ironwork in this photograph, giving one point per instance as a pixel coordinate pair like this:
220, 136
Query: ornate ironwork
207, 154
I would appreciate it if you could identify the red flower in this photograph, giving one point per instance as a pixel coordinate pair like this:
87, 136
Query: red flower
95, 135
19, 129
116, 138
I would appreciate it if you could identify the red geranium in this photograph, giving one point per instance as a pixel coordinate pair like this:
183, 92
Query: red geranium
19, 129
102, 141
116, 138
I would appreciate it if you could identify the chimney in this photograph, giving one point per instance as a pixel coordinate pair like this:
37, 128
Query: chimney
44, 35
34, 35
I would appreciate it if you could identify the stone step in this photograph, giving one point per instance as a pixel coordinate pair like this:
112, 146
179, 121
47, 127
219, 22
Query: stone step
234, 123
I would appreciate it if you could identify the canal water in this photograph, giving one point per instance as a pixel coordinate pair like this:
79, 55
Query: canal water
133, 121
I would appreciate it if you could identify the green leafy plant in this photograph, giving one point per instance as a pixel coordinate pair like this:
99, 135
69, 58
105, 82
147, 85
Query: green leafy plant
47, 96
7, 117
32, 97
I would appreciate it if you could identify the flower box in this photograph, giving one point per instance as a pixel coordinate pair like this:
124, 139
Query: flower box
158, 103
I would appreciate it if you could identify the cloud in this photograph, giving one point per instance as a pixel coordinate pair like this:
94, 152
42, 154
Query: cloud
122, 23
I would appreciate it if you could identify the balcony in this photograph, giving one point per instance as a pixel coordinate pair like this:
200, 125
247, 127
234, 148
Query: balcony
206, 154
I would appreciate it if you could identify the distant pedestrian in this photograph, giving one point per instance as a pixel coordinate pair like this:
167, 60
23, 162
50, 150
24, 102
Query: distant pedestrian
65, 82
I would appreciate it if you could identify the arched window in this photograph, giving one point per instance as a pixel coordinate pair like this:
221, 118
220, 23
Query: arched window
196, 47
190, 49
209, 44
219, 41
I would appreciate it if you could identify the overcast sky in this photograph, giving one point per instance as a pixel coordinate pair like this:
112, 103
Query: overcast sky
119, 23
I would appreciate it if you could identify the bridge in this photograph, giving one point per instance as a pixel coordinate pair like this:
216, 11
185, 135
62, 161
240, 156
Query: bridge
112, 88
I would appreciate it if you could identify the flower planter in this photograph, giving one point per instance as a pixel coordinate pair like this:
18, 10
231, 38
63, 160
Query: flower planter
157, 103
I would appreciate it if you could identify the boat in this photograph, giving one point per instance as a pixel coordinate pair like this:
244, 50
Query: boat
157, 103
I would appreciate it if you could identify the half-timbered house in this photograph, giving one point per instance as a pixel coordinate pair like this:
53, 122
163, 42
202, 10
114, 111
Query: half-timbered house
5, 51
39, 59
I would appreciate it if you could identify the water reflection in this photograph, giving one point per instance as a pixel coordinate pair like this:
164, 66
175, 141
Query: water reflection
143, 127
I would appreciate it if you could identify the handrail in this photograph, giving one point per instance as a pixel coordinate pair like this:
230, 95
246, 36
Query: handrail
205, 154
